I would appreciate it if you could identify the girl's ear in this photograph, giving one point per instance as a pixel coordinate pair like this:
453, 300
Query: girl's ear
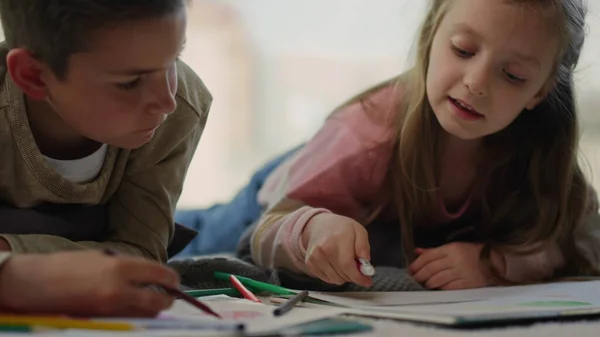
541, 95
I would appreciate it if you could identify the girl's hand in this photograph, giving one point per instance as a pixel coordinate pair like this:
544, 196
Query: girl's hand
4, 246
84, 284
333, 244
452, 266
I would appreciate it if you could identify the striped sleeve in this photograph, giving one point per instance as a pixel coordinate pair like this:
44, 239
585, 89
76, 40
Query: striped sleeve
338, 171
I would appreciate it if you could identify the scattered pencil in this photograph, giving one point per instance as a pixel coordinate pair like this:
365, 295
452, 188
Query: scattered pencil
245, 292
189, 299
290, 304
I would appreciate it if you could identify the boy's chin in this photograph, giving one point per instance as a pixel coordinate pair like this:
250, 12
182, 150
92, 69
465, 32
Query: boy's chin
130, 143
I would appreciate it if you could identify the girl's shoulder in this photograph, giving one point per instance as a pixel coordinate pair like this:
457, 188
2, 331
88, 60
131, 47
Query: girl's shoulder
373, 115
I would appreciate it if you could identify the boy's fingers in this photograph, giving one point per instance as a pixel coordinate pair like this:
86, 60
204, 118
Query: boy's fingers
146, 272
151, 301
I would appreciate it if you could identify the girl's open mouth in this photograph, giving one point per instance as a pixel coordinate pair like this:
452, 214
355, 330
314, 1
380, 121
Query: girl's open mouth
464, 111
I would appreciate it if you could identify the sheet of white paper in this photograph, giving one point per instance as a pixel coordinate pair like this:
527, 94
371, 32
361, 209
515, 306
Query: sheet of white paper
100, 333
354, 299
544, 300
581, 290
256, 317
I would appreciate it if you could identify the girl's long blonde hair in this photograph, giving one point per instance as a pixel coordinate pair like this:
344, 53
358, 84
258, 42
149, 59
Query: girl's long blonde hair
534, 191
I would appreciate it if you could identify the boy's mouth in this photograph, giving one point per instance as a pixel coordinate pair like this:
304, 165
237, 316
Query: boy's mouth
466, 111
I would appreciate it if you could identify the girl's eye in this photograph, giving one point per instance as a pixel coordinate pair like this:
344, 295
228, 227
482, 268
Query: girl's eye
461, 52
514, 79
131, 85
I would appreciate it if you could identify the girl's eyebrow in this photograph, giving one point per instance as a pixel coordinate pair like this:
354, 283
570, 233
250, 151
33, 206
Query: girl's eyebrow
465, 28
528, 59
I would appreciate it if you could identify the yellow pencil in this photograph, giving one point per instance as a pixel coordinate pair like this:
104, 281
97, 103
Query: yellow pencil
64, 323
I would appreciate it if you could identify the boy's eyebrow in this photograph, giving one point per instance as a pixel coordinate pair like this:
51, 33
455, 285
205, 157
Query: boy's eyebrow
143, 71
133, 72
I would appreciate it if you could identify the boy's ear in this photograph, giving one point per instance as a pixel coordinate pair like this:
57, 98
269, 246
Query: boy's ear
26, 71
541, 95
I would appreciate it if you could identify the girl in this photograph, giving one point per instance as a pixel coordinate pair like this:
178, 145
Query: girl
464, 169
83, 283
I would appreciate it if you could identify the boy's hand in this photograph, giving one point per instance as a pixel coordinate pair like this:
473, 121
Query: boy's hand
84, 284
452, 266
333, 243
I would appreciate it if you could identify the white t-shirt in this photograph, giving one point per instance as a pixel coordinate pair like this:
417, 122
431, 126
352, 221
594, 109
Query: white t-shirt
81, 170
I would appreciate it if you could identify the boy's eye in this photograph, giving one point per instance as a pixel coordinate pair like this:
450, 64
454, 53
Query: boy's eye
514, 79
461, 52
131, 85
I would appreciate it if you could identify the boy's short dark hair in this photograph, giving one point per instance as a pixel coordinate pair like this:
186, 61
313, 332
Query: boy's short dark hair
53, 30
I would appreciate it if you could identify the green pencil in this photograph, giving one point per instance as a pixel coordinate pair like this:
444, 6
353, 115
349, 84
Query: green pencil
16, 328
260, 287
212, 292
257, 285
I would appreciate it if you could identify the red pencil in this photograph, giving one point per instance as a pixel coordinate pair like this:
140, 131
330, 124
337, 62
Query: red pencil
176, 292
243, 290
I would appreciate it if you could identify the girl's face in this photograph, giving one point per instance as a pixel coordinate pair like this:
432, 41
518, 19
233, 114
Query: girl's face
490, 60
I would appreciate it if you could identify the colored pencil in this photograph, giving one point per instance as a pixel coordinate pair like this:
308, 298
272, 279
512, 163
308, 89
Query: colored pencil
177, 293
290, 304
245, 292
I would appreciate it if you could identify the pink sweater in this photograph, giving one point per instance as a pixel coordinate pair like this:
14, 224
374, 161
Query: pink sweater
340, 170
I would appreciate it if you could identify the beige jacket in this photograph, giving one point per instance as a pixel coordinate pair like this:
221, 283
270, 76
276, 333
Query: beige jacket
140, 188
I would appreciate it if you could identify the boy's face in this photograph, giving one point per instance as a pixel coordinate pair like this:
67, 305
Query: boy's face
121, 89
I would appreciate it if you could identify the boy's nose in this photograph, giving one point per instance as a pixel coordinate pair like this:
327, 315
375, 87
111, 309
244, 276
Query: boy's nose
167, 103
164, 100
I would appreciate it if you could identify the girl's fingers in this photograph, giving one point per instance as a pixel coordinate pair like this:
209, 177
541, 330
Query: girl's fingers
431, 269
441, 279
425, 258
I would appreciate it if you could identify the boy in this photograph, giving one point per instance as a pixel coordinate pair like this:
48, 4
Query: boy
100, 121
84, 283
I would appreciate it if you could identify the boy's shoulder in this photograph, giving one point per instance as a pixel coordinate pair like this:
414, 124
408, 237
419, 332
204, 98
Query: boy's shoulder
192, 94
193, 101
3, 70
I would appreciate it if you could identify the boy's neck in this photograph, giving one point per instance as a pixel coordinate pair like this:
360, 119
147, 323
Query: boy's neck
54, 138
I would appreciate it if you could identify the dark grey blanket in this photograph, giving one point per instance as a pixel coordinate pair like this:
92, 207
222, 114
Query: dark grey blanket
198, 274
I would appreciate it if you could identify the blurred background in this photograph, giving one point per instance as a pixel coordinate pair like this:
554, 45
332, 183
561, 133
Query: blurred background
278, 68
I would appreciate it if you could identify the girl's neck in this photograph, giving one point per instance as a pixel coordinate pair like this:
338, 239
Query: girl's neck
458, 168
455, 149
